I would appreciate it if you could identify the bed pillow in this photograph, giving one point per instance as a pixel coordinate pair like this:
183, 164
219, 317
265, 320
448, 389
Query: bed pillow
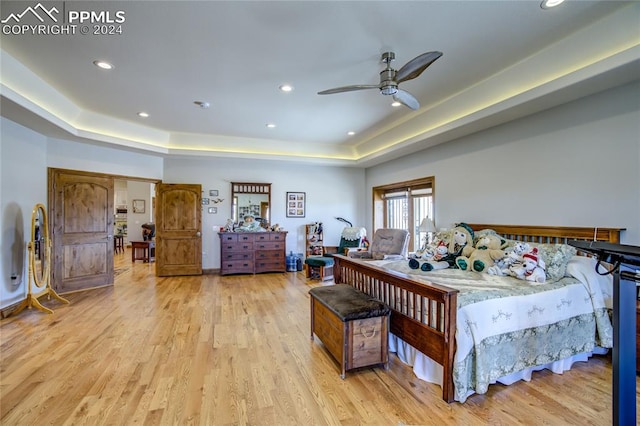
556, 257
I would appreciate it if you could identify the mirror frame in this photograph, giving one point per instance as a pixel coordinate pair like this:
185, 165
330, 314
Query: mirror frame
40, 213
250, 188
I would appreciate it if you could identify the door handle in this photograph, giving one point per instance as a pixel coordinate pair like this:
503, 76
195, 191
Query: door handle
108, 237
198, 234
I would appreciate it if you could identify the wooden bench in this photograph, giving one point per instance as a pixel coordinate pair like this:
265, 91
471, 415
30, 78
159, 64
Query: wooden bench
352, 325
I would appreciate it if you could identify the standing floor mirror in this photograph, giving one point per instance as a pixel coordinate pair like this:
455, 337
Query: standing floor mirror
39, 252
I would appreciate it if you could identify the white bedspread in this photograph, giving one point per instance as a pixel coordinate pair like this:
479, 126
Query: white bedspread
507, 328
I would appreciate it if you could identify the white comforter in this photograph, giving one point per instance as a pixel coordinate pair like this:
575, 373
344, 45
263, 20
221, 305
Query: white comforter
505, 326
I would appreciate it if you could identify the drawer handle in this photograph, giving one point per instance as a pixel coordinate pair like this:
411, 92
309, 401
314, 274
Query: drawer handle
368, 335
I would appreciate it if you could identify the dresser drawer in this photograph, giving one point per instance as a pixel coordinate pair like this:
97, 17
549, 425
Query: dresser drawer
273, 255
269, 245
237, 267
237, 247
245, 237
229, 238
269, 266
237, 255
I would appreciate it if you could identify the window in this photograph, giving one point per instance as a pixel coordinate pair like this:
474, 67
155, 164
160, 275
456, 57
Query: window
404, 205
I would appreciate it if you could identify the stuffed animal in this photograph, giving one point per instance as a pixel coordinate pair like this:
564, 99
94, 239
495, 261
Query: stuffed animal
530, 269
228, 227
512, 255
487, 249
460, 244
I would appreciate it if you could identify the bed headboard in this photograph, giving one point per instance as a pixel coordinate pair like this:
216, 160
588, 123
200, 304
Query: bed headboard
552, 234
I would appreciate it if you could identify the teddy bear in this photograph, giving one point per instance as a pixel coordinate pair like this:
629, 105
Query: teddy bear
531, 268
460, 244
512, 255
488, 249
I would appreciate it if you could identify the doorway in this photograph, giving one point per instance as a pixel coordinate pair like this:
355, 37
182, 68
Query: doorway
82, 212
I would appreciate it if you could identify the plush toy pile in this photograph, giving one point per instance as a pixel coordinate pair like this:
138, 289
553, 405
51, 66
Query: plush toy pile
488, 253
459, 242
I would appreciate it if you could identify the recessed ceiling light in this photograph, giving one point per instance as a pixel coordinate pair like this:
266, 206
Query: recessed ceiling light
143, 114
202, 104
548, 4
103, 64
395, 104
286, 88
351, 133
271, 125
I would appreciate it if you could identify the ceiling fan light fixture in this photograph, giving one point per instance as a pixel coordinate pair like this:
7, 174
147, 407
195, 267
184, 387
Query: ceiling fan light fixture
103, 65
395, 104
548, 4
389, 90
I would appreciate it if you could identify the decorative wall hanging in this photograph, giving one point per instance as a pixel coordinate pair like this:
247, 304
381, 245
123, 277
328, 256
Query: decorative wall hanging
138, 206
296, 204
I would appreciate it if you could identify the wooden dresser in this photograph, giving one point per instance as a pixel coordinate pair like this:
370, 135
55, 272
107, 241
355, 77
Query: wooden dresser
252, 252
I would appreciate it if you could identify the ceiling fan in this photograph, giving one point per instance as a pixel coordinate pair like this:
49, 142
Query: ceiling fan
390, 78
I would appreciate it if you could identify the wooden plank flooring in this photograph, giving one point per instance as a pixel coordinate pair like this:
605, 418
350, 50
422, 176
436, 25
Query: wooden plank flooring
236, 350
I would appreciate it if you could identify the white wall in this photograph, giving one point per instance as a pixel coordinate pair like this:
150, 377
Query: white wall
330, 192
23, 183
574, 165
66, 154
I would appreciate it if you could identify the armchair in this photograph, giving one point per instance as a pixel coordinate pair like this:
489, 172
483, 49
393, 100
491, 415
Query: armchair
322, 266
387, 243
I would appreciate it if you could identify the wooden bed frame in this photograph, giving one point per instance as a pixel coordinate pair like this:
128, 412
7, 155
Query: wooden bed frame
424, 315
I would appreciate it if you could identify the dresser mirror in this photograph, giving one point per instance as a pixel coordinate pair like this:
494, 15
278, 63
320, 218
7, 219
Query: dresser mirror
251, 199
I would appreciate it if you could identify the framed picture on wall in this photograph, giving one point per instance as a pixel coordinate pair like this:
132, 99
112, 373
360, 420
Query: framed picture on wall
138, 206
296, 204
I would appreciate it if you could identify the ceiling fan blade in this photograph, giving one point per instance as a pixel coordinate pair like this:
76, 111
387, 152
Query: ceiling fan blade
416, 66
406, 99
348, 89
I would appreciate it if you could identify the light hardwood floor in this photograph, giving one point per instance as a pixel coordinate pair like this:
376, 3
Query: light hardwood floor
236, 350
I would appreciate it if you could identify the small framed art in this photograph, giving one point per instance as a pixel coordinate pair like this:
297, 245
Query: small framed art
138, 206
213, 193
296, 204
213, 210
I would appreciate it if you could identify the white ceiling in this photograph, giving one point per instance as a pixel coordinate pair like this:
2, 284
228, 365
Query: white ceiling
502, 60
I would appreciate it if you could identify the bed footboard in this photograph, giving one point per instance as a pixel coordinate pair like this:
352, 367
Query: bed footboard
423, 315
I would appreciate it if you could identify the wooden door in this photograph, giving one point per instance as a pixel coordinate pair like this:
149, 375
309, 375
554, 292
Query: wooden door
81, 224
178, 230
